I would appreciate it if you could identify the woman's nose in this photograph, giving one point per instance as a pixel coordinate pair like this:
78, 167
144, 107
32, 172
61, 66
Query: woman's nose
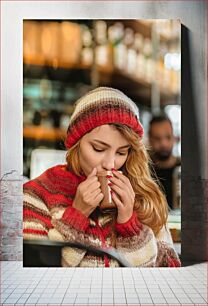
108, 163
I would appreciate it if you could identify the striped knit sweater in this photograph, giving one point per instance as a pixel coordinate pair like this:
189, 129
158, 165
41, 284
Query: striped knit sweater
48, 214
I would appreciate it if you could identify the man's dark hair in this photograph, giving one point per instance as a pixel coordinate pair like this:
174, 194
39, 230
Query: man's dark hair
158, 119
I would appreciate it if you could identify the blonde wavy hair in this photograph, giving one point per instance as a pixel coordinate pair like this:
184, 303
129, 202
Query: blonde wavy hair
150, 203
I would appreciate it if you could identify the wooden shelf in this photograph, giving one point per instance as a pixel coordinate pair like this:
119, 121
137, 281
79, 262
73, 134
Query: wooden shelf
66, 71
137, 86
73, 74
43, 133
107, 76
39, 61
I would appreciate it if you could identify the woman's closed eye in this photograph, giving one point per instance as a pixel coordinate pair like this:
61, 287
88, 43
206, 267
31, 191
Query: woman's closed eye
123, 153
98, 150
102, 150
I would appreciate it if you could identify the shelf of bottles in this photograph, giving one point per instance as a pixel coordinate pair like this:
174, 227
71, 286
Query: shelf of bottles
109, 49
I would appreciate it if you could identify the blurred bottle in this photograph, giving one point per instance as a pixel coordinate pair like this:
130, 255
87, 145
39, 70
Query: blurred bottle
32, 43
160, 65
103, 49
70, 43
131, 51
165, 82
174, 84
175, 81
87, 50
50, 41
149, 62
37, 117
140, 64
163, 28
115, 36
55, 117
176, 29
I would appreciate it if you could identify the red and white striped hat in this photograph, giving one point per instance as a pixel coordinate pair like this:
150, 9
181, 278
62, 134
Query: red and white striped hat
101, 106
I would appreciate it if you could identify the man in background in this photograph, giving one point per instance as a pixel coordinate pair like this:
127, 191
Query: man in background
165, 164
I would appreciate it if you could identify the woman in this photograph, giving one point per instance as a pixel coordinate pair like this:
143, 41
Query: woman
63, 203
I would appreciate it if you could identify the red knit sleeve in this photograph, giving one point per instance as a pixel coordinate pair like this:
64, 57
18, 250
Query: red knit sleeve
174, 263
130, 228
75, 218
166, 255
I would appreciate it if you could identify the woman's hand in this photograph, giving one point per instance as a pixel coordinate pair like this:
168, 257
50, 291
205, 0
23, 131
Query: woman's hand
123, 196
88, 194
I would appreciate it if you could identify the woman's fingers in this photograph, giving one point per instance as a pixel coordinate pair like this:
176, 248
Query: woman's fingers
120, 192
87, 185
119, 176
117, 182
95, 193
116, 200
92, 173
91, 178
94, 198
99, 197
93, 187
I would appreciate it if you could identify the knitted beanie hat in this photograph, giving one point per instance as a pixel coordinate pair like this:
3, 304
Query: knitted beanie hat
101, 106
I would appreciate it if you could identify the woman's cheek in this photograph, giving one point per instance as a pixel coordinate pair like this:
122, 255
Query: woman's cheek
91, 160
121, 161
85, 161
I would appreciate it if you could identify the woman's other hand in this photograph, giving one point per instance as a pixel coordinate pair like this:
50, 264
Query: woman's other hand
123, 196
88, 194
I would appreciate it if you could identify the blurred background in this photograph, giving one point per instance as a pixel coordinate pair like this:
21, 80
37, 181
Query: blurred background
63, 59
